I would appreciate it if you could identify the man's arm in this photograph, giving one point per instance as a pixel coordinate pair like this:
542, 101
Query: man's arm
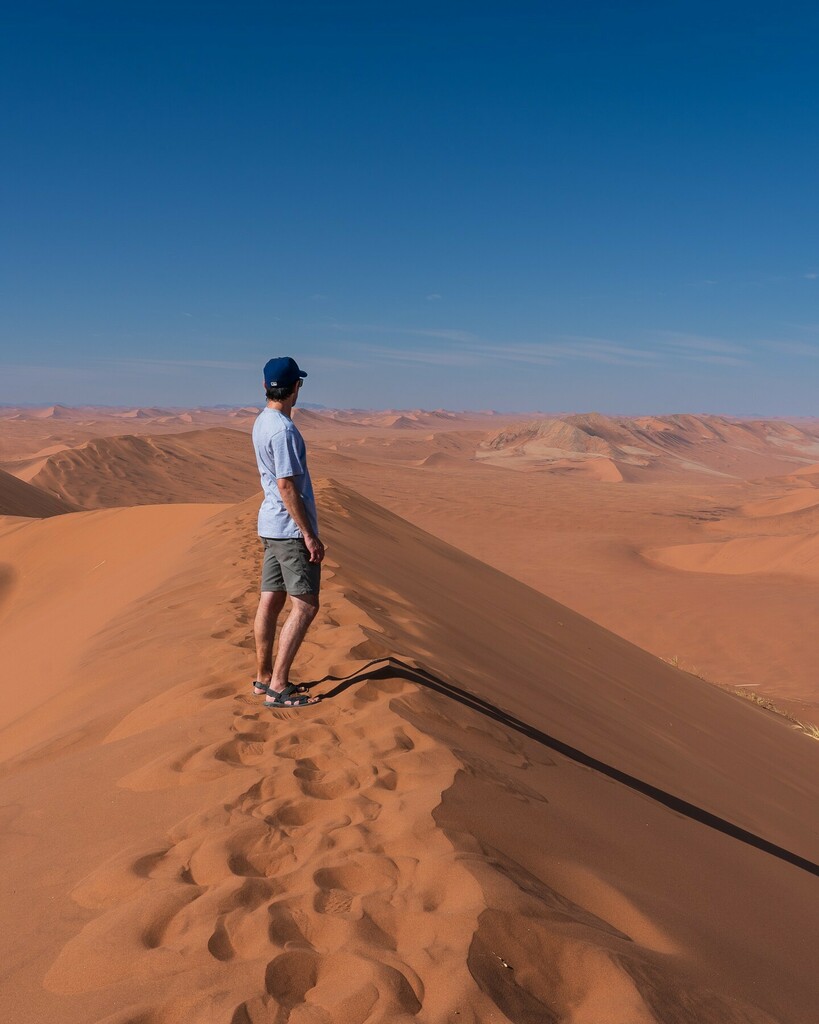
298, 513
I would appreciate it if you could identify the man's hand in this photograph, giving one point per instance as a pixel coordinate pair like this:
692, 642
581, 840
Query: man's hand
315, 547
295, 506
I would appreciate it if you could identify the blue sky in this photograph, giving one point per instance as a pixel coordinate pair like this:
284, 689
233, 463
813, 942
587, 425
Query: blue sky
469, 205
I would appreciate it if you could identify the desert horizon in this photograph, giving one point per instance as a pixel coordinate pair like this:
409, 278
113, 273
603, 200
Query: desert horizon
409, 513
564, 764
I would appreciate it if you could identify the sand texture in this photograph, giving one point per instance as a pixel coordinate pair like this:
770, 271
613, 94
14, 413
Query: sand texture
501, 812
18, 498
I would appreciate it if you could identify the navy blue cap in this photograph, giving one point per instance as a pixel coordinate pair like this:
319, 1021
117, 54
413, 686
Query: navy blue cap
281, 372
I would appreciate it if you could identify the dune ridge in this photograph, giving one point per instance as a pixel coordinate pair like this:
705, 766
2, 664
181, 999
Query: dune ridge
711, 445
201, 465
362, 861
18, 498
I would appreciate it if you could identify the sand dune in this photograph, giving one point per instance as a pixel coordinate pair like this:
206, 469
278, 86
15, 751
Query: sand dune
579, 542
439, 460
211, 465
654, 445
774, 535
67, 577
605, 470
18, 498
566, 672
798, 555
51, 412
475, 829
795, 501
140, 414
549, 435
811, 472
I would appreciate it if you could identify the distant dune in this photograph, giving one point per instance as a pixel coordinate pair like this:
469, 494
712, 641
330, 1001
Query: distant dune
140, 414
798, 555
52, 412
202, 465
548, 436
652, 445
796, 501
18, 498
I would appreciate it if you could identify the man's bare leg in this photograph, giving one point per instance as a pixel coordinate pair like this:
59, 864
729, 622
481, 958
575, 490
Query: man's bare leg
264, 630
304, 608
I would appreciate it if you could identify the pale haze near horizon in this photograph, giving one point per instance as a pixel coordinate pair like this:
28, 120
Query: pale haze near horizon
488, 206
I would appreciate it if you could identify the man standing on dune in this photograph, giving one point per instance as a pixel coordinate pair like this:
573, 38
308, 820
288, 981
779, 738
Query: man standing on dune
288, 527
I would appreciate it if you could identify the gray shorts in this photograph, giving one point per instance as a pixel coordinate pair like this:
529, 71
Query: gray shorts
287, 566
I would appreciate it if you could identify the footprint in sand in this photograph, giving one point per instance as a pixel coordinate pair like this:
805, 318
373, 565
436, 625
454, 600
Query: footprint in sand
207, 922
305, 812
310, 736
324, 785
353, 989
339, 887
246, 750
218, 692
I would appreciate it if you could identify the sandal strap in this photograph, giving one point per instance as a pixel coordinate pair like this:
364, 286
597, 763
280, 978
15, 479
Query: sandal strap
297, 700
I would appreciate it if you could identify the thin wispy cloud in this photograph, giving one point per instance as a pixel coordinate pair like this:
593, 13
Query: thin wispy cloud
699, 342
598, 350
701, 348
794, 348
426, 357
445, 333
463, 348
713, 360
466, 353
24, 371
193, 364
433, 297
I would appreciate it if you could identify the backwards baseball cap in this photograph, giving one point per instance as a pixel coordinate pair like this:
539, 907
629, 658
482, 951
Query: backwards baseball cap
281, 372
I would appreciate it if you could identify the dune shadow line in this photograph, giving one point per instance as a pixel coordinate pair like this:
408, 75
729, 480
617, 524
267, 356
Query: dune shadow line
391, 667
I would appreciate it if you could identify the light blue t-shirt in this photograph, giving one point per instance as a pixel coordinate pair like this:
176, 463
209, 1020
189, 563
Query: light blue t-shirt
280, 452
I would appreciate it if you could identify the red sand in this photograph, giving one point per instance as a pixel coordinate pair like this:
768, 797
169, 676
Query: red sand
502, 812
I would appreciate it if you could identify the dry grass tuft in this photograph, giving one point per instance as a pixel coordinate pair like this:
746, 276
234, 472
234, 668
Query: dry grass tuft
808, 728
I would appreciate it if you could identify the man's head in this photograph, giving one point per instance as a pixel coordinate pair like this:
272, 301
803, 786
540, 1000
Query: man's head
282, 377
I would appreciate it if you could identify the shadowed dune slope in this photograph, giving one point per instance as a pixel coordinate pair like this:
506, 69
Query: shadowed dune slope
213, 465
18, 498
561, 673
415, 847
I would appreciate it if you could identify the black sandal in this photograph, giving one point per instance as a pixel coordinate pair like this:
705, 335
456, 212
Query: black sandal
290, 698
260, 689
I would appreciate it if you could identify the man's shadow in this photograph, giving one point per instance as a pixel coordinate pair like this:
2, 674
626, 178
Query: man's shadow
392, 667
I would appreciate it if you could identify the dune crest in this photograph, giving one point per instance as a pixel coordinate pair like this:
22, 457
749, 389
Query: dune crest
201, 465
402, 851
